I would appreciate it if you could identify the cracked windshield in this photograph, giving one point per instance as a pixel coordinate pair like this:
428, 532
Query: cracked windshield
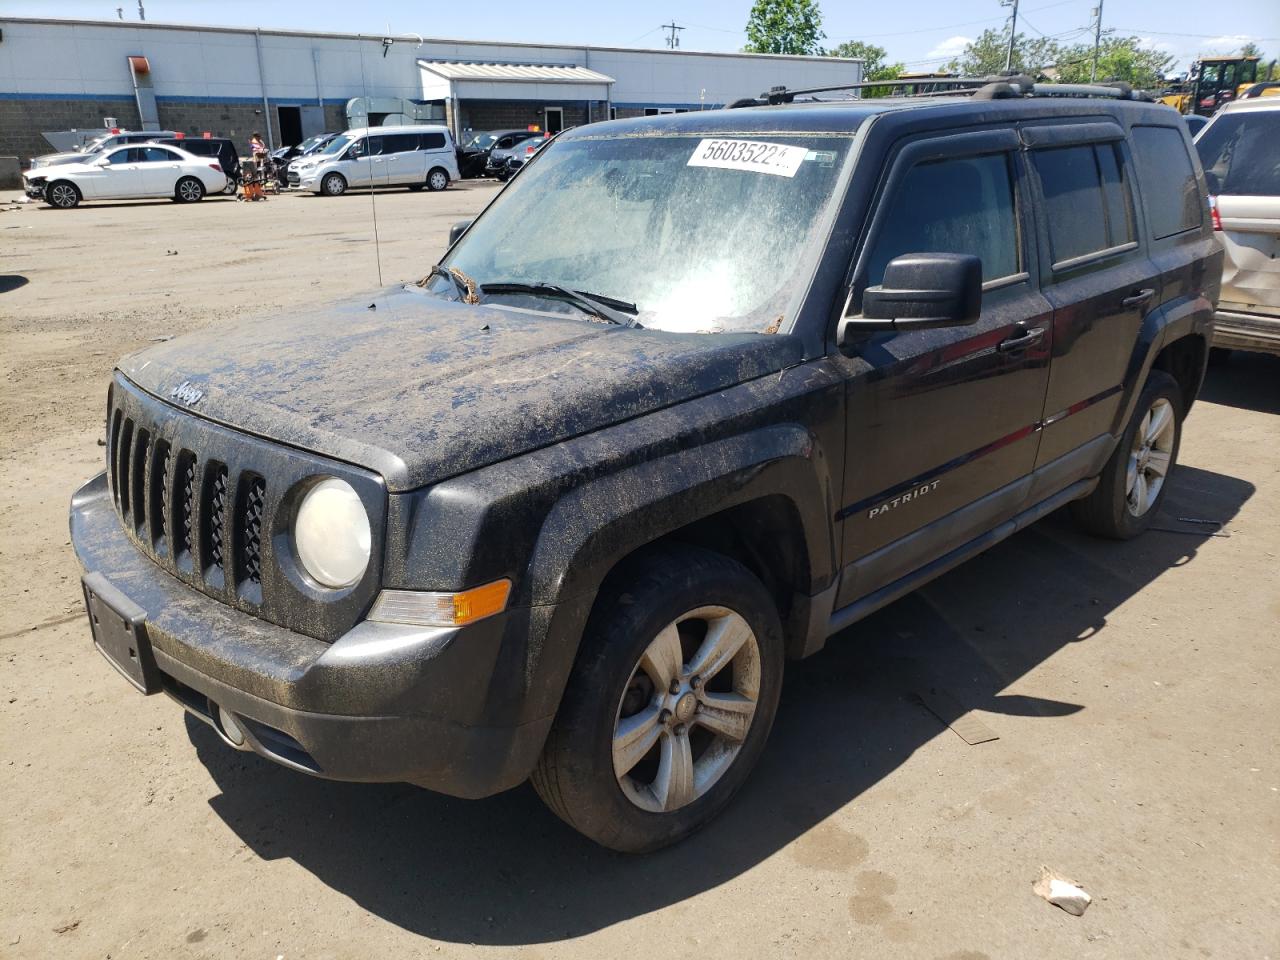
686, 234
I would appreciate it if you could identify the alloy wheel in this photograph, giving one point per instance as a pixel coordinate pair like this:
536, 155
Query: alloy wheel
1150, 457
190, 190
686, 709
63, 195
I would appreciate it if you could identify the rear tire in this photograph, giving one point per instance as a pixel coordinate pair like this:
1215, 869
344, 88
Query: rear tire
62, 194
1134, 481
437, 180
669, 704
188, 190
333, 185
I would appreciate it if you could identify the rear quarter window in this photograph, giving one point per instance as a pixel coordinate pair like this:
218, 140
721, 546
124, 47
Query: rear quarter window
1170, 193
432, 141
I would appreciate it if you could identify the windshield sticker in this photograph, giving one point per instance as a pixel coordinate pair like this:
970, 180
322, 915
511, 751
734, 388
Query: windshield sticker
754, 155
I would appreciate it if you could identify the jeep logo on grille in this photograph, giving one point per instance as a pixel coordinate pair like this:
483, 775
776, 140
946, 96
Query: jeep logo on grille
186, 393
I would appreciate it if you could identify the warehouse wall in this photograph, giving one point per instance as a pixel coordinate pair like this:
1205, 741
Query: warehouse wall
59, 74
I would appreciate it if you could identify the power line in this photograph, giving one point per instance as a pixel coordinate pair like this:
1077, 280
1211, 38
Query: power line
949, 26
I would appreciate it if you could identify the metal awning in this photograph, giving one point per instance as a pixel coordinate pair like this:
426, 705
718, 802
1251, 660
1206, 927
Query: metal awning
514, 72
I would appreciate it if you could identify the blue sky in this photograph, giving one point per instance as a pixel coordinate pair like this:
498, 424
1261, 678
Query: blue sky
921, 33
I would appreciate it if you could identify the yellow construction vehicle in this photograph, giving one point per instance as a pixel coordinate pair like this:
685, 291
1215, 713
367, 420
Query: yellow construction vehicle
1211, 82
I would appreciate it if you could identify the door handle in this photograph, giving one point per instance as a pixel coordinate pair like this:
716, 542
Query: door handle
1025, 338
1138, 297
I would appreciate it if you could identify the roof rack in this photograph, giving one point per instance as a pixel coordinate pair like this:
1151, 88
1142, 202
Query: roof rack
1000, 87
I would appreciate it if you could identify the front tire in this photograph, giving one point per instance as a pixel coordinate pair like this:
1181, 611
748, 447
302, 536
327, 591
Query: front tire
669, 704
1133, 483
188, 190
333, 185
437, 180
62, 194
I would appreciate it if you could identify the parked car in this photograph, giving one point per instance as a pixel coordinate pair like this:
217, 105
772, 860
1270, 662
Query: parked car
220, 148
693, 394
1195, 123
106, 141
410, 156
122, 173
522, 154
505, 143
473, 155
1240, 152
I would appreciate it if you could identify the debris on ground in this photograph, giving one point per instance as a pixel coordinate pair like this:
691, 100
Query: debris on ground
1062, 892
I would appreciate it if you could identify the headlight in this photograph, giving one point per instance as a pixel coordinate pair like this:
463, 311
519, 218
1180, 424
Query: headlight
332, 535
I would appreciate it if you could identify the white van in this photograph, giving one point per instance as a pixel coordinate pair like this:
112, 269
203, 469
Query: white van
413, 156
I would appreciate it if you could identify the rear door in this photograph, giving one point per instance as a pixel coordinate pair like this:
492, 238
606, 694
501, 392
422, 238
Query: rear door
1240, 152
942, 423
401, 159
1098, 278
159, 170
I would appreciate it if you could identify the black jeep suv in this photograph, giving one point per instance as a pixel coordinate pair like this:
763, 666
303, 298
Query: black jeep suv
691, 395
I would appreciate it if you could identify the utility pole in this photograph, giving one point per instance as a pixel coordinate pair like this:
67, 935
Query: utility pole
673, 41
1013, 32
142, 11
1097, 41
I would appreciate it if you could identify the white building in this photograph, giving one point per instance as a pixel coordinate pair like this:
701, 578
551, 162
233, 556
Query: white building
64, 74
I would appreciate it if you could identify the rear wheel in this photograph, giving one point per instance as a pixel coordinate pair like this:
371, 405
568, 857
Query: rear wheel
334, 185
1132, 485
669, 704
437, 180
62, 194
189, 190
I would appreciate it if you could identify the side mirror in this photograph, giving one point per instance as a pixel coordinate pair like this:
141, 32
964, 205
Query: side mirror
457, 230
919, 291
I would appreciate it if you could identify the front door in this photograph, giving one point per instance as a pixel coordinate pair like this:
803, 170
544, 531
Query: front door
366, 168
117, 176
942, 424
555, 120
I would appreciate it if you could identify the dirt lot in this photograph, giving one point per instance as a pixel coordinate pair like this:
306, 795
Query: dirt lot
1133, 688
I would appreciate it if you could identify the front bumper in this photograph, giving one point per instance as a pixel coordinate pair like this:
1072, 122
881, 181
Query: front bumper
384, 702
34, 190
1239, 330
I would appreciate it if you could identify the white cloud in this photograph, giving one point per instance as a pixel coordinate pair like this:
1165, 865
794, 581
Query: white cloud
1227, 43
949, 48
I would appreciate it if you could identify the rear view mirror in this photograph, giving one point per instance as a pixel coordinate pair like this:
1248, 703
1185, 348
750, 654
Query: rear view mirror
457, 230
920, 291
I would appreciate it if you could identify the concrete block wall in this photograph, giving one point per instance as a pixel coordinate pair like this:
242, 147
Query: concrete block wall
22, 120
517, 114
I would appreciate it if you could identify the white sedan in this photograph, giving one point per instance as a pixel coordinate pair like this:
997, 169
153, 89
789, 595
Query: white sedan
136, 171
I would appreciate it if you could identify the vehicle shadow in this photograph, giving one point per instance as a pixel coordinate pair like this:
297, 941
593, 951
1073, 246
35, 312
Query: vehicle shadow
1250, 381
504, 871
12, 281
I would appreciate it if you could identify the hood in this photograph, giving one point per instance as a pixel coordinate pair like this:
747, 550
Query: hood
418, 389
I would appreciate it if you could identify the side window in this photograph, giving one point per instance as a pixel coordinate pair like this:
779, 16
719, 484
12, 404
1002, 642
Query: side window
156, 155
123, 156
1169, 190
399, 142
1086, 200
505, 143
964, 205
431, 141
373, 146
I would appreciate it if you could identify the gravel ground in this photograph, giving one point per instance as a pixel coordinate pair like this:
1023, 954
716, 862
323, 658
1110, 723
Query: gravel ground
1132, 688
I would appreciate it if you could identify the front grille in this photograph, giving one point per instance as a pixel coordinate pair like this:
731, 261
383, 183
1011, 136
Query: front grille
293, 177
211, 505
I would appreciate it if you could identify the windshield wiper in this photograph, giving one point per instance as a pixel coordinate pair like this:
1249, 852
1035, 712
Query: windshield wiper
606, 308
465, 286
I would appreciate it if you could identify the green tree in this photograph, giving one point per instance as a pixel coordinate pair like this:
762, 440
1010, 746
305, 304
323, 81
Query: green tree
1119, 58
875, 66
1267, 69
985, 55
784, 26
